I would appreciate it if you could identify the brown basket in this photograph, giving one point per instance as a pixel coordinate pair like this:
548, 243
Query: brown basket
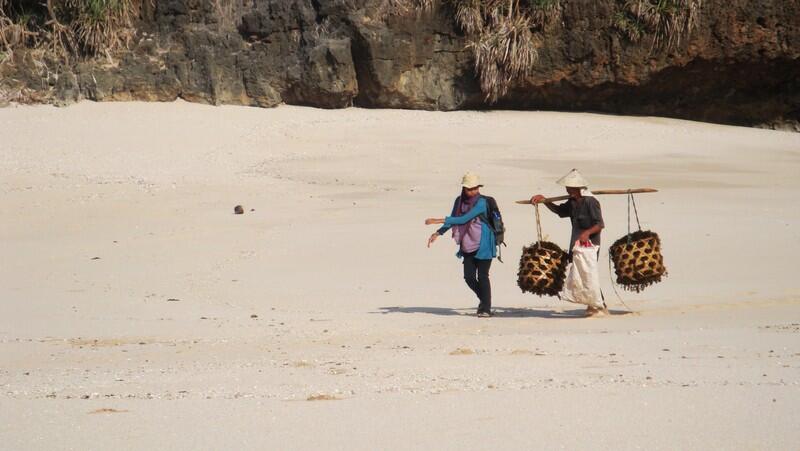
637, 260
542, 268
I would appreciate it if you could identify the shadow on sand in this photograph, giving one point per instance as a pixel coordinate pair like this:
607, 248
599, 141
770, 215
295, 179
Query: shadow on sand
498, 312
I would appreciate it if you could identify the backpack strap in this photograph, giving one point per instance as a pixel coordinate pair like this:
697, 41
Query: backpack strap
485, 218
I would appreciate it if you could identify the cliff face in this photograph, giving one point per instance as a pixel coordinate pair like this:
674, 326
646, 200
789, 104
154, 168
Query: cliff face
741, 65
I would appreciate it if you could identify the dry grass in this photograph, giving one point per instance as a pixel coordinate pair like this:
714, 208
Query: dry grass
501, 34
405, 8
100, 26
12, 33
226, 10
544, 12
469, 16
21, 95
630, 28
504, 51
667, 21
69, 27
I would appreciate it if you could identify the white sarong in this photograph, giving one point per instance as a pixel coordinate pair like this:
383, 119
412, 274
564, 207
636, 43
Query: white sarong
582, 284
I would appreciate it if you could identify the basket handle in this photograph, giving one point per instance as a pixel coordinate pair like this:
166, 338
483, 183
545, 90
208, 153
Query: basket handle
631, 200
538, 225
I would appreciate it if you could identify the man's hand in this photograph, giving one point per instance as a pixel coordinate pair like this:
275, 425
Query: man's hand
433, 238
537, 199
584, 240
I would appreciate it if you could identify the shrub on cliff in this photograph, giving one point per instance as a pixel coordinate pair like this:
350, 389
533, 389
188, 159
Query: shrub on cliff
71, 27
667, 21
501, 34
505, 36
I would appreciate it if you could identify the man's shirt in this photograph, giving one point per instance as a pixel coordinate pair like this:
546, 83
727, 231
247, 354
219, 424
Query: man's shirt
584, 214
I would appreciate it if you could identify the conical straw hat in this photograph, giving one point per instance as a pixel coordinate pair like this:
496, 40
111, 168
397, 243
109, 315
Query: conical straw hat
470, 180
573, 179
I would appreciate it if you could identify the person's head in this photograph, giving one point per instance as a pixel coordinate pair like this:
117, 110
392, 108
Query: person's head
574, 182
470, 192
573, 192
470, 184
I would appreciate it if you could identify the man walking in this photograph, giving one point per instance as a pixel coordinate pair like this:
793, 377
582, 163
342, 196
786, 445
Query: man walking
583, 209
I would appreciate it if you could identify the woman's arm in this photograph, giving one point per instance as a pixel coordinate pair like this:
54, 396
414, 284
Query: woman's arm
437, 233
443, 229
479, 208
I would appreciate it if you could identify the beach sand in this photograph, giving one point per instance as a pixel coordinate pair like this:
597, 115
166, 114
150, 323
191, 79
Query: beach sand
138, 312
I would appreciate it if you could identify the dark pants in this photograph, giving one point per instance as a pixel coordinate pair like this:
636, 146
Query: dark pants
476, 274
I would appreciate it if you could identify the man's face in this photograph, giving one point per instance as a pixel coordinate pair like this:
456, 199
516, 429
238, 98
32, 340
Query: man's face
574, 192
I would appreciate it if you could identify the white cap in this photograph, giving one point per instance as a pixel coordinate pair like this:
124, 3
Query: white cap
470, 180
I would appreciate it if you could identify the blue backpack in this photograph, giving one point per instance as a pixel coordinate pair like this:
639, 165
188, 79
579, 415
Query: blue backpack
494, 220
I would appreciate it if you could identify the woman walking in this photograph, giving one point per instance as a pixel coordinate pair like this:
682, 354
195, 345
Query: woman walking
475, 238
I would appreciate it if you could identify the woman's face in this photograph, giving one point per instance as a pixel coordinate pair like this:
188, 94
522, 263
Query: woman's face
472, 192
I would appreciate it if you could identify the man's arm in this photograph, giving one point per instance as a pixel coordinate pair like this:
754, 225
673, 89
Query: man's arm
561, 210
584, 236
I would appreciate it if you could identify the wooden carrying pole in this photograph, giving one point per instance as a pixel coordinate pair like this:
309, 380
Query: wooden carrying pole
600, 191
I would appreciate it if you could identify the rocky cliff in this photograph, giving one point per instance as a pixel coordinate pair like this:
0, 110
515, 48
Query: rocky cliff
741, 65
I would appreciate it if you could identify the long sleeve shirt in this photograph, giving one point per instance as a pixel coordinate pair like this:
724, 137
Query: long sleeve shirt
487, 248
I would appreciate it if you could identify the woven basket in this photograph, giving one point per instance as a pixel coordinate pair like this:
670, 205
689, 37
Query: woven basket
542, 268
637, 259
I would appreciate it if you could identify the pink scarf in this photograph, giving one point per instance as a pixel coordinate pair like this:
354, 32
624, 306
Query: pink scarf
467, 236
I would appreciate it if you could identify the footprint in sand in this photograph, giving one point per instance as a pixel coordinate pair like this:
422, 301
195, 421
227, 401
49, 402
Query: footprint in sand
106, 410
302, 364
322, 397
462, 351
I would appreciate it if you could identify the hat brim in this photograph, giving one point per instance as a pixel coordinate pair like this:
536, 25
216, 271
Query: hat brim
470, 187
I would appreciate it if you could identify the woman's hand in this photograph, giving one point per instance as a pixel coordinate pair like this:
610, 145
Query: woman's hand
433, 238
430, 221
537, 199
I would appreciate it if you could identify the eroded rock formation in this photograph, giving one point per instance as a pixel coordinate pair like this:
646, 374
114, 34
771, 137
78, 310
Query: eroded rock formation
741, 65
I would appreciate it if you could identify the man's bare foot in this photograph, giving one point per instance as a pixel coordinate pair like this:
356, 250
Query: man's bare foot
594, 312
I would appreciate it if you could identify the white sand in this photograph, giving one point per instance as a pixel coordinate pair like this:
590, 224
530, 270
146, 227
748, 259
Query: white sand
350, 303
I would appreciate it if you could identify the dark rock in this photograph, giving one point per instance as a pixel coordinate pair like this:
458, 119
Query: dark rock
238, 210
329, 80
741, 65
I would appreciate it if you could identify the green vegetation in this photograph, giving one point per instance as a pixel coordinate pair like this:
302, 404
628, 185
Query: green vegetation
505, 35
504, 48
70, 27
667, 21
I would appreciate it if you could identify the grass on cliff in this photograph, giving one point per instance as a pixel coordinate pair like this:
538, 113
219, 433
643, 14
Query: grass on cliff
68, 27
667, 21
503, 35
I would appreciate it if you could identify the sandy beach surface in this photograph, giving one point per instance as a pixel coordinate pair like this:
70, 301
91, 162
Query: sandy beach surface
138, 312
